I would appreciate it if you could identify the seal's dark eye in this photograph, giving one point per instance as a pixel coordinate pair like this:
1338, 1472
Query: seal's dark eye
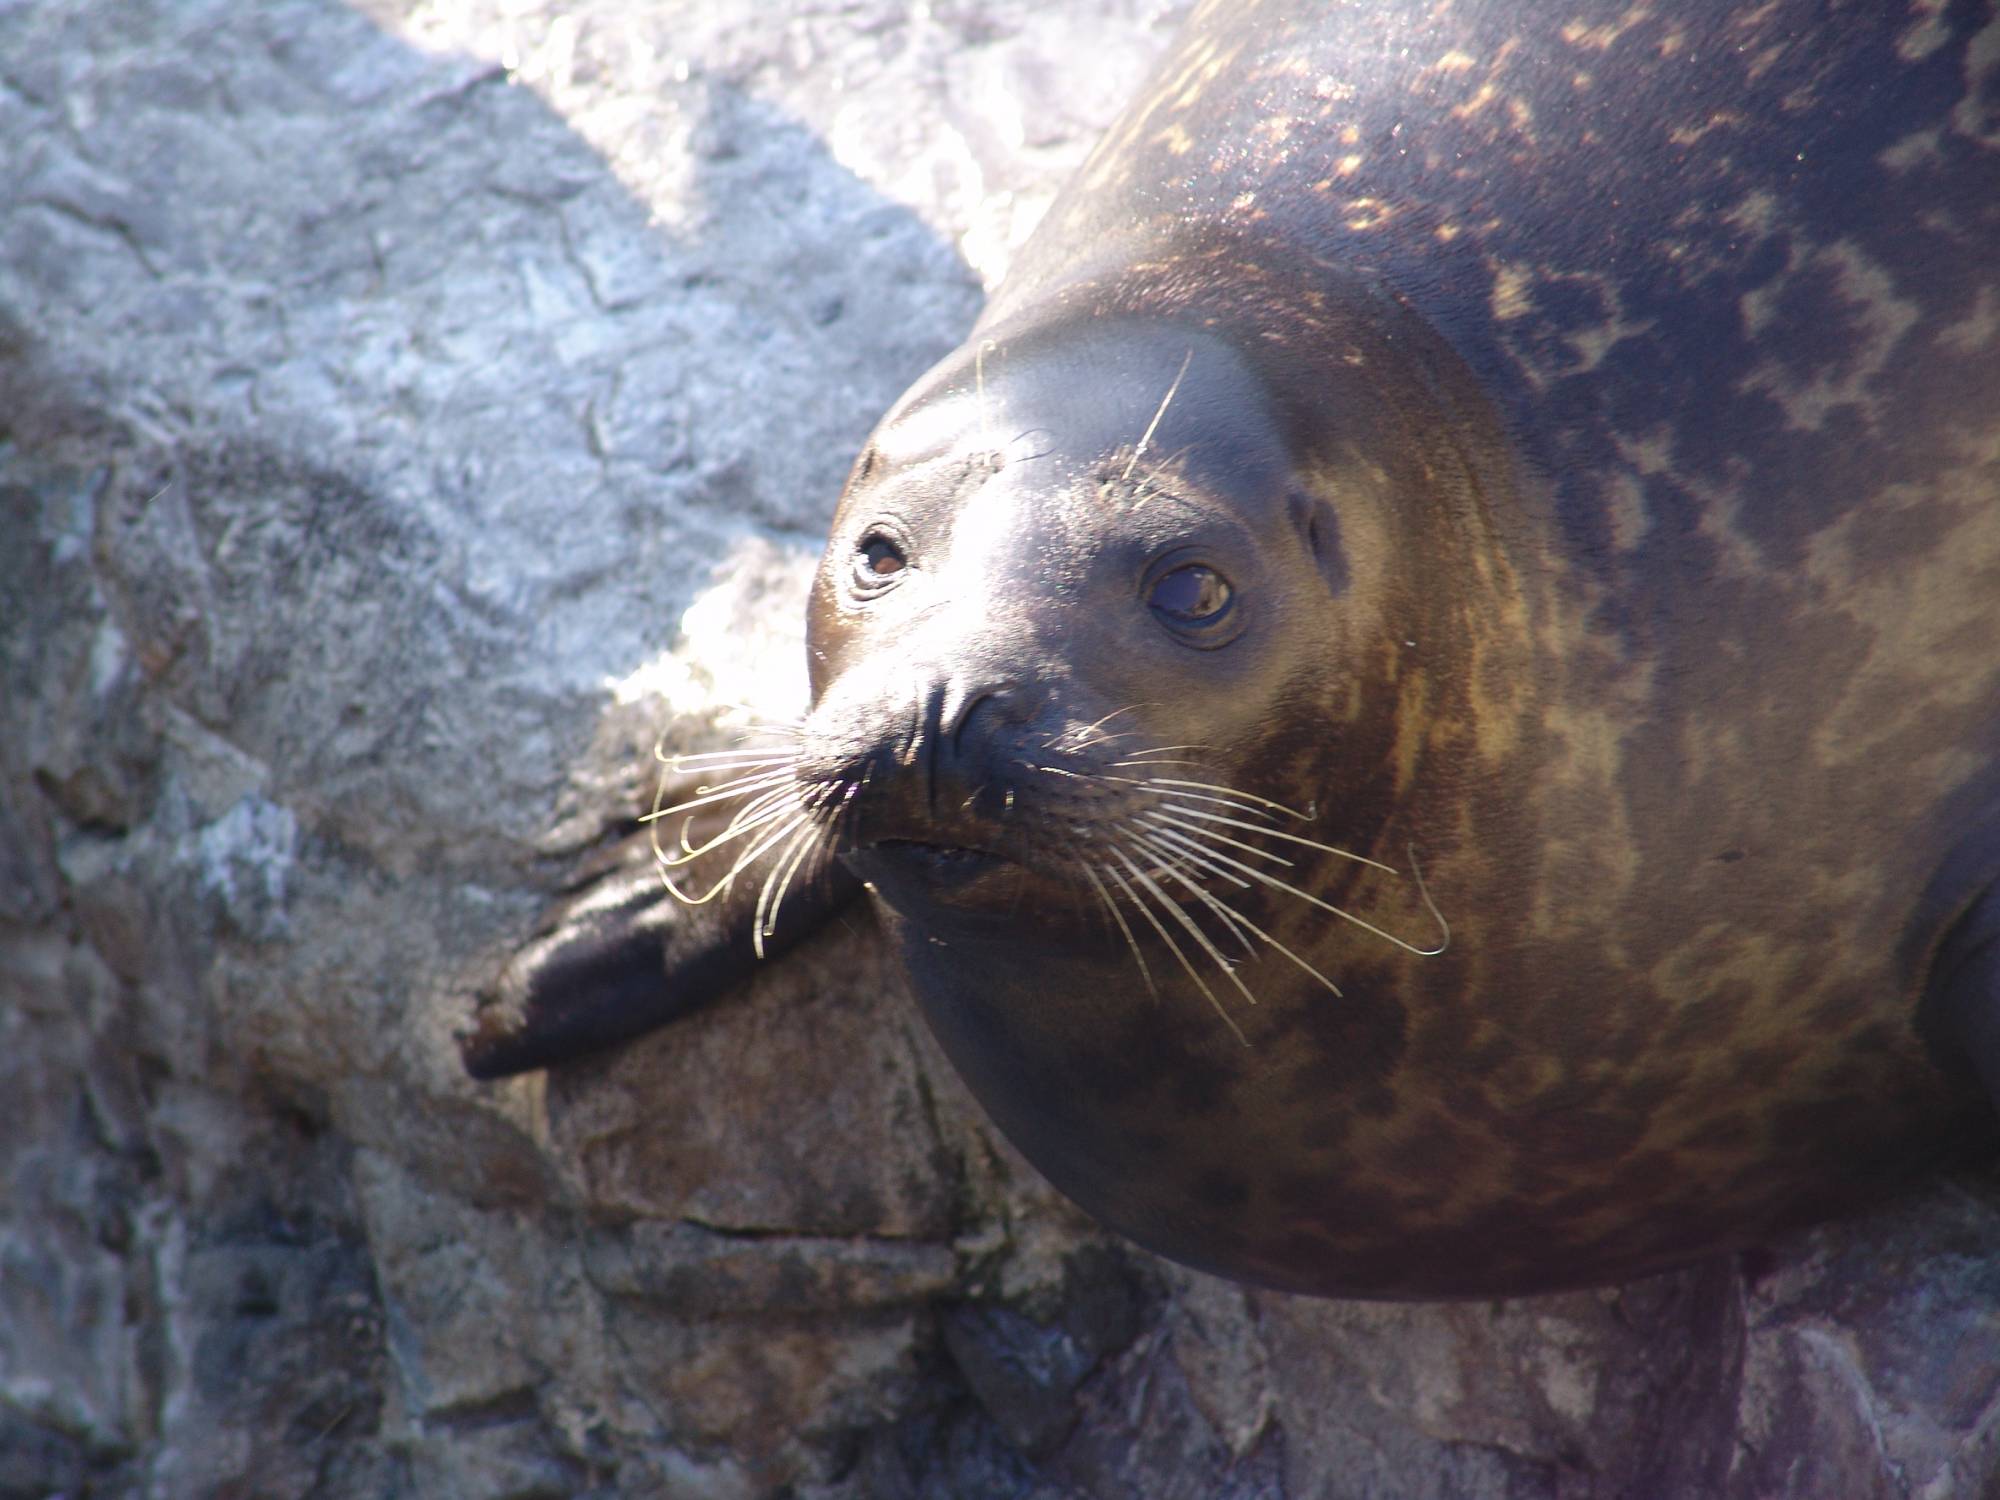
1191, 595
877, 560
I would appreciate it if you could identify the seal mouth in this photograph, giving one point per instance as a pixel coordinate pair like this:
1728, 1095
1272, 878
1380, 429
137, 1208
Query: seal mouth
938, 864
916, 874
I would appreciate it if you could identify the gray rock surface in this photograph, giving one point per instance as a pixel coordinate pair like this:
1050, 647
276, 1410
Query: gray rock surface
408, 413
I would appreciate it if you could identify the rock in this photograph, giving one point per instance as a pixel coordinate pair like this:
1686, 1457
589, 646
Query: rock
408, 415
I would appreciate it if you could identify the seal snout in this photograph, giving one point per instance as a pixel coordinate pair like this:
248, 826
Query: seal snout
934, 761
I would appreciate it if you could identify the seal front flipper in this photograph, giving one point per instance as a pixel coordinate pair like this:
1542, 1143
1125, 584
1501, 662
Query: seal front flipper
621, 956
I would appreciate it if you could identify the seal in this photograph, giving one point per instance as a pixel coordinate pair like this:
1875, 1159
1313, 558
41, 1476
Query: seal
1420, 702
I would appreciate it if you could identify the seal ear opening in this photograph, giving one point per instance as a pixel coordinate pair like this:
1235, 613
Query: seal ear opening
1318, 525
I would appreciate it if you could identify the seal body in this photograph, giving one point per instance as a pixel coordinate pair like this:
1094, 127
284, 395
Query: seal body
1421, 700
1589, 421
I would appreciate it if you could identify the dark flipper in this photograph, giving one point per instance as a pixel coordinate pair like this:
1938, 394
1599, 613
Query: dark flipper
621, 957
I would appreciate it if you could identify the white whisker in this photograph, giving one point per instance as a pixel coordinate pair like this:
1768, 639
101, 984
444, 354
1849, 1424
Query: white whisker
764, 922
1193, 850
1173, 909
727, 792
1290, 838
1117, 916
707, 760
1236, 803
1137, 755
743, 862
1165, 401
1346, 916
1179, 871
1239, 795
1153, 820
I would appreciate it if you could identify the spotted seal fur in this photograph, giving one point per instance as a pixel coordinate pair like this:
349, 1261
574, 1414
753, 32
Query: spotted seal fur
1420, 702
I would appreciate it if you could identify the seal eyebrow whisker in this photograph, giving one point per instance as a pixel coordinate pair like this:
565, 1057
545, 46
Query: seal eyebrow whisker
1165, 401
1290, 838
1173, 947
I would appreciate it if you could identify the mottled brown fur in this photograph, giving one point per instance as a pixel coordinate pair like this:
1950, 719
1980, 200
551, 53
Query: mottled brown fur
1691, 524
1596, 412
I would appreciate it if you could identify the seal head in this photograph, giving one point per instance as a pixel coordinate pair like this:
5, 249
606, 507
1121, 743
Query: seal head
1123, 639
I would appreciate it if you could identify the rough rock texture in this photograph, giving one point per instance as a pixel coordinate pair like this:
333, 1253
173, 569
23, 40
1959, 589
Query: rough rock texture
407, 413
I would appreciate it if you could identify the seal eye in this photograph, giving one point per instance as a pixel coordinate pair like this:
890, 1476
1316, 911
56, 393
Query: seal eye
1192, 594
877, 561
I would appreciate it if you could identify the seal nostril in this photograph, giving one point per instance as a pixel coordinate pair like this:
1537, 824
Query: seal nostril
960, 704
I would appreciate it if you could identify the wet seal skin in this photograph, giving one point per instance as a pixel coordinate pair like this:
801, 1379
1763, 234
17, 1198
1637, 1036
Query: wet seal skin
1420, 701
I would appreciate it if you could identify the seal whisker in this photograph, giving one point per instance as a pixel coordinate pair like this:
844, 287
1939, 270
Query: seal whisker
1152, 426
1164, 859
769, 797
688, 853
1118, 917
1444, 927
726, 792
1209, 834
1192, 849
1185, 802
765, 921
1216, 786
1172, 947
1073, 739
1237, 918
1346, 916
1227, 914
675, 759
708, 759
761, 810
1222, 796
1100, 723
762, 726
1179, 914
1290, 838
743, 862
1154, 750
